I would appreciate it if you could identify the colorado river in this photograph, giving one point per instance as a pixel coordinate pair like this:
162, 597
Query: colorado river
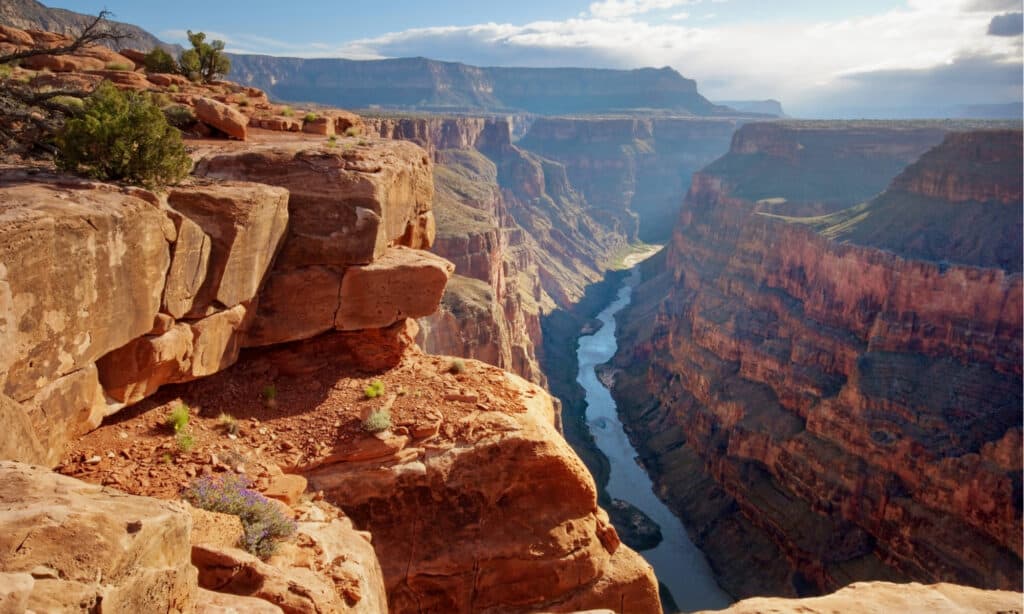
678, 563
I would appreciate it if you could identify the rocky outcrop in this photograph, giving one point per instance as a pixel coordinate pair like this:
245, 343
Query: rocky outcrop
883, 597
632, 171
222, 117
456, 505
110, 293
68, 546
819, 410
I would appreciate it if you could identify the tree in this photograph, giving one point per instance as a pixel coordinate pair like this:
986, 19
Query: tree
159, 60
29, 116
123, 136
204, 61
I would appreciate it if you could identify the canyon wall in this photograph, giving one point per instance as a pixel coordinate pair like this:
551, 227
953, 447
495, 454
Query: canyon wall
633, 171
828, 390
521, 238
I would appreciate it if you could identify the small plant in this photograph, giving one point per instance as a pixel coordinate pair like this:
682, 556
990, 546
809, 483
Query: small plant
363, 143
173, 88
185, 441
229, 423
378, 421
180, 116
262, 521
121, 66
310, 117
244, 102
178, 418
332, 141
270, 395
351, 131
6, 70
374, 390
167, 458
287, 112
458, 366
159, 60
122, 135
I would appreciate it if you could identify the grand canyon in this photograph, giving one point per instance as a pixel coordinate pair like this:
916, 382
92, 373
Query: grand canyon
413, 335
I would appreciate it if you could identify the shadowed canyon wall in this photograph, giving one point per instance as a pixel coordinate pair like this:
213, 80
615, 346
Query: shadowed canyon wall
826, 386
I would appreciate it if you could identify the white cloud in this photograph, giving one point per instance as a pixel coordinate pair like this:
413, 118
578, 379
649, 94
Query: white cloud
803, 64
680, 16
615, 9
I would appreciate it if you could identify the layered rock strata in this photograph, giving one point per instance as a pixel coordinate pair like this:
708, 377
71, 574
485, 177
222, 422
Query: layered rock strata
837, 398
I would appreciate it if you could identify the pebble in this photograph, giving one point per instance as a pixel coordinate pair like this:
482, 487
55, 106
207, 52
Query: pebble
93, 460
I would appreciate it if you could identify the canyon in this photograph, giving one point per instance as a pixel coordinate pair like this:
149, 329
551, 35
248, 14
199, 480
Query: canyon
821, 372
825, 384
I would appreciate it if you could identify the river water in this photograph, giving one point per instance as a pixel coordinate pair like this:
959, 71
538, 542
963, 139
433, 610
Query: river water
678, 564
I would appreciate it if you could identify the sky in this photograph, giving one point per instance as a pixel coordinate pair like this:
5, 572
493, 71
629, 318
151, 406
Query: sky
820, 58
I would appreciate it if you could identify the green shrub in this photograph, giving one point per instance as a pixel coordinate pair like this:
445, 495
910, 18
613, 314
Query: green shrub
118, 66
6, 70
173, 88
159, 60
205, 61
351, 131
458, 366
287, 112
378, 421
72, 104
332, 141
178, 418
374, 390
310, 117
270, 392
122, 136
262, 521
185, 441
180, 116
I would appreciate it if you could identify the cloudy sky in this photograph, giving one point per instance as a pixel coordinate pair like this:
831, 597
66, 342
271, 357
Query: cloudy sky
819, 57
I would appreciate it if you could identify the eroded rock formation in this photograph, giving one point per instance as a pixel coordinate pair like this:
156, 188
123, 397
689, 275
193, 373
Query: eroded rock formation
820, 410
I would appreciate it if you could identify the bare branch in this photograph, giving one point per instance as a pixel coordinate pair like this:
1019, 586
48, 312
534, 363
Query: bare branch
98, 31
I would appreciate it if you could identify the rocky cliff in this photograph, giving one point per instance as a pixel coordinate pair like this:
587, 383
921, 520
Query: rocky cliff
263, 297
431, 85
522, 239
632, 171
837, 398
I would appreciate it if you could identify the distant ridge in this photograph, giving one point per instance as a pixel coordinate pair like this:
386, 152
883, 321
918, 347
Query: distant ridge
422, 84
431, 85
764, 107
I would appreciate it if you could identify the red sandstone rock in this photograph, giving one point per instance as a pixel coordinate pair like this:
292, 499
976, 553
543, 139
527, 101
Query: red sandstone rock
218, 115
167, 80
403, 283
130, 553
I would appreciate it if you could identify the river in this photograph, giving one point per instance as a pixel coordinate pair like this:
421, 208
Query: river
678, 564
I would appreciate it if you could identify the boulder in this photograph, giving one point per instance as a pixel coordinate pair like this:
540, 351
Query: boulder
167, 79
190, 260
81, 273
218, 115
321, 125
287, 488
345, 207
245, 224
185, 352
295, 304
124, 79
83, 545
403, 283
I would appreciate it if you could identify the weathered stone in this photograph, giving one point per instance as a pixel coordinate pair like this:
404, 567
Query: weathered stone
245, 223
403, 283
210, 602
190, 259
345, 207
287, 488
167, 80
321, 125
124, 79
19, 441
81, 273
67, 408
186, 352
296, 304
223, 117
131, 553
215, 529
